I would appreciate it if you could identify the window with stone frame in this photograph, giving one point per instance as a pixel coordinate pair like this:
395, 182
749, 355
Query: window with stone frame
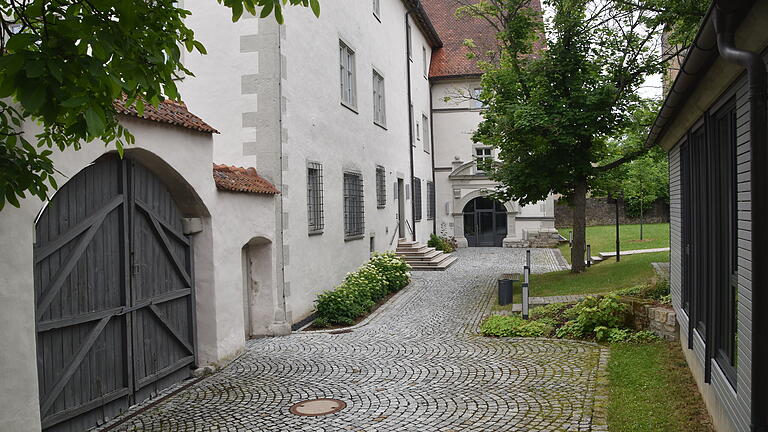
379, 104
347, 75
425, 132
354, 212
483, 155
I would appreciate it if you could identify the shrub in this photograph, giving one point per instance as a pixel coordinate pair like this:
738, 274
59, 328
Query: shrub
441, 243
593, 312
515, 326
360, 291
659, 290
569, 330
622, 335
393, 268
368, 277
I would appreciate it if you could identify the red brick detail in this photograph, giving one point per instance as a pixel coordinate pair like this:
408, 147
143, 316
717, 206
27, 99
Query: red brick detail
168, 111
238, 179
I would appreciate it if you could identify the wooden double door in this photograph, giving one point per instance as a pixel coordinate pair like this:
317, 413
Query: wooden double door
114, 294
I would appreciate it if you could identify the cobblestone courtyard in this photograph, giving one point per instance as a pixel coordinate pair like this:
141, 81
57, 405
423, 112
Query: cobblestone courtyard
417, 365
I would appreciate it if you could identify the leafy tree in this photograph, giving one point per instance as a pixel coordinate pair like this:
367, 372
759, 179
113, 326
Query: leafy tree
552, 112
64, 63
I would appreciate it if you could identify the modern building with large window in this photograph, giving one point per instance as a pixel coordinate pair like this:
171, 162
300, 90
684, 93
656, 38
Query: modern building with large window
713, 124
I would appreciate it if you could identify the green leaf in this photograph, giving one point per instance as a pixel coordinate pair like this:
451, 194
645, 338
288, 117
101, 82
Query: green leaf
74, 101
21, 41
94, 118
315, 5
32, 96
200, 48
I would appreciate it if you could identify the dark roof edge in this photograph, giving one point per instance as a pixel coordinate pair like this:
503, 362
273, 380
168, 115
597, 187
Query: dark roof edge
423, 21
697, 62
455, 76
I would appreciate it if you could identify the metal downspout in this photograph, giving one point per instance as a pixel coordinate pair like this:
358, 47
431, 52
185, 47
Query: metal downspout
408, 38
755, 66
432, 150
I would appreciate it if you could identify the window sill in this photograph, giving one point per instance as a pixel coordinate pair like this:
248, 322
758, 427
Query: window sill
315, 233
349, 107
383, 126
381, 206
354, 237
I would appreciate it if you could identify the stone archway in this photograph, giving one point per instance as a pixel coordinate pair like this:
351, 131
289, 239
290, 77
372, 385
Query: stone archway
509, 208
485, 222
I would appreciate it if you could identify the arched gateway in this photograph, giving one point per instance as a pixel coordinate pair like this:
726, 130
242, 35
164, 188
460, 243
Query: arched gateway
114, 292
485, 222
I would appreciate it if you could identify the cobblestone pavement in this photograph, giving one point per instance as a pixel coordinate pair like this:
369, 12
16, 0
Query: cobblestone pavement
418, 365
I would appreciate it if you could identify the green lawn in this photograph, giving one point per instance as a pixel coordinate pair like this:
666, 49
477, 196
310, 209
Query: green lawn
603, 238
651, 389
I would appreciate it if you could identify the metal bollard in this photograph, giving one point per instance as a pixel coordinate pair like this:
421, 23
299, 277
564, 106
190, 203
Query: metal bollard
528, 258
589, 256
526, 284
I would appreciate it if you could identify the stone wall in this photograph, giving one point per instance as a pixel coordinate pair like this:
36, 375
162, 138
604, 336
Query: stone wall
535, 238
601, 212
646, 315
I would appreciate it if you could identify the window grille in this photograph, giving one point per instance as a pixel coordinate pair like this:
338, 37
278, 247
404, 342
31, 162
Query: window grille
347, 71
417, 199
430, 200
354, 216
425, 131
381, 187
379, 105
315, 197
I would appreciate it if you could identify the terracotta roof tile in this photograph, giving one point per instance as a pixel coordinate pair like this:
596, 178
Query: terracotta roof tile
168, 111
238, 179
451, 60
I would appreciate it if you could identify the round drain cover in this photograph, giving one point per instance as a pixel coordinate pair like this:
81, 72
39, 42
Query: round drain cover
317, 407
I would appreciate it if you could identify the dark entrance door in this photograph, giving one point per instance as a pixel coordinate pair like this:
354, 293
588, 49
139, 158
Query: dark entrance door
114, 295
485, 222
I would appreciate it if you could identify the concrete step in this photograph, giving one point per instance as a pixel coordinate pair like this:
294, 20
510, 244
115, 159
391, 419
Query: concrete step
421, 249
444, 264
434, 261
422, 256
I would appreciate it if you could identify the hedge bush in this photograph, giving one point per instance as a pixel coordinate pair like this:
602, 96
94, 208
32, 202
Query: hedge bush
383, 274
515, 326
443, 244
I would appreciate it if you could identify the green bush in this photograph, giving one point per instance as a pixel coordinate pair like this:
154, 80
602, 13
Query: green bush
623, 335
383, 274
515, 326
555, 311
606, 311
659, 290
441, 243
393, 268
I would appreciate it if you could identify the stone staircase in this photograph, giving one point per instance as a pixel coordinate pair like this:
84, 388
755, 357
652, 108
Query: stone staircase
421, 257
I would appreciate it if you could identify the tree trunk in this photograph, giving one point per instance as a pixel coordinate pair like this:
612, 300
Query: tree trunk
578, 249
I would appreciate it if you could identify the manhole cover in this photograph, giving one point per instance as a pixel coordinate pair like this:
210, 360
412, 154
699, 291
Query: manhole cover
317, 407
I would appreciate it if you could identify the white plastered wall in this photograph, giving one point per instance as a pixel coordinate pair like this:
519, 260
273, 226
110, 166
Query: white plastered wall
182, 159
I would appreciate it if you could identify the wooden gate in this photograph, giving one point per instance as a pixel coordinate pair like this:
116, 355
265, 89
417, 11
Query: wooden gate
114, 295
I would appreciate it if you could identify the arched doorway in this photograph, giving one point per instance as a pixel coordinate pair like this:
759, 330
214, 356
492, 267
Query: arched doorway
114, 293
485, 222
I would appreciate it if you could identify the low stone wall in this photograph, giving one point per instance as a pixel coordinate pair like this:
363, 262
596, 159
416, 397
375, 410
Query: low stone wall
601, 212
535, 238
647, 315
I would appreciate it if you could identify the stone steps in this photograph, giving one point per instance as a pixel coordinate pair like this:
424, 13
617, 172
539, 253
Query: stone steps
422, 257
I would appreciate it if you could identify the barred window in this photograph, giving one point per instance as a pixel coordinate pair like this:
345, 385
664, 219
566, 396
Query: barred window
430, 200
354, 216
416, 198
381, 187
315, 197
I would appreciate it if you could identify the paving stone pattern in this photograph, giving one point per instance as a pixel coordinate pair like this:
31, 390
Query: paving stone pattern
418, 365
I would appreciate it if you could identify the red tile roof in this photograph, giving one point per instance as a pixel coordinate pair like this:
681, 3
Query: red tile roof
238, 179
451, 60
168, 111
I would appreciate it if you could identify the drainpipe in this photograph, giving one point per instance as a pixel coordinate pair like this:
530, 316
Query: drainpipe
408, 38
432, 154
753, 63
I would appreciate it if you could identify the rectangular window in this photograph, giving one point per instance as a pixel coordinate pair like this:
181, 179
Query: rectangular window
425, 128
347, 75
430, 200
315, 197
476, 102
354, 216
709, 204
413, 135
381, 187
379, 107
483, 156
377, 8
416, 199
424, 63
